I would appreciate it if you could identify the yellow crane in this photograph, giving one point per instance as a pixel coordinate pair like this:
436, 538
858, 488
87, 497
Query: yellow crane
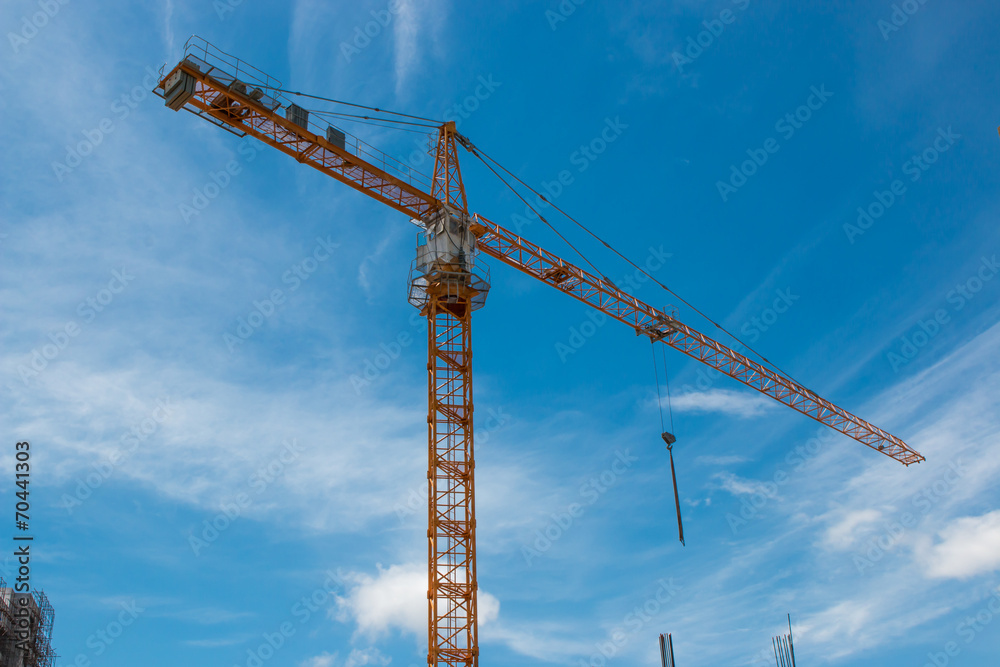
447, 285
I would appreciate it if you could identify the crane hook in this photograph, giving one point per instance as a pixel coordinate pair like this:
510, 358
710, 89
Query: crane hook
670, 440
668, 437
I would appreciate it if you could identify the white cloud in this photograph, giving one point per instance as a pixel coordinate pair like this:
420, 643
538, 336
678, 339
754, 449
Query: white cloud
843, 620
541, 641
489, 608
324, 660
844, 533
371, 263
396, 599
368, 656
741, 486
720, 460
737, 403
168, 31
218, 642
405, 29
209, 615
888, 608
949, 412
970, 546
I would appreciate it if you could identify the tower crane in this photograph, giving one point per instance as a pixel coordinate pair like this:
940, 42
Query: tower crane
447, 285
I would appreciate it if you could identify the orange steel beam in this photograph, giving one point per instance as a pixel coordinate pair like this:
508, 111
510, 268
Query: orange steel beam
525, 256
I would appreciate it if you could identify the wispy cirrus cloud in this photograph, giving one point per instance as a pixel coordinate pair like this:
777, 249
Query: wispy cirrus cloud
721, 460
217, 642
406, 31
844, 533
736, 403
741, 486
323, 660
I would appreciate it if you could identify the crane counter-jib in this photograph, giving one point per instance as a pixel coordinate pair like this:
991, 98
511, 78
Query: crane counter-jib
236, 106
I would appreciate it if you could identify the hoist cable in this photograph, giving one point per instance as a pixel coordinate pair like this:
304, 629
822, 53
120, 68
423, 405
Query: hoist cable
656, 374
666, 377
436, 123
540, 216
633, 264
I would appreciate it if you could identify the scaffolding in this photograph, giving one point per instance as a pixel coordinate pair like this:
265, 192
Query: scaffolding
26, 621
784, 650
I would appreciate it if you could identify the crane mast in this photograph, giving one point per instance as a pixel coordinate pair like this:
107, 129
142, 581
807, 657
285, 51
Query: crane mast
447, 286
451, 513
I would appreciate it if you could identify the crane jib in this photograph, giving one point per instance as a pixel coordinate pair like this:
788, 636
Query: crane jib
523, 255
229, 102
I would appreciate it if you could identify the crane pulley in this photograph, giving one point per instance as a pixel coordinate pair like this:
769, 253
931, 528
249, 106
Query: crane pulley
447, 286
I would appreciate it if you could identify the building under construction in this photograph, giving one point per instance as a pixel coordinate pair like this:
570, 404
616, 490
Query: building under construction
782, 645
25, 628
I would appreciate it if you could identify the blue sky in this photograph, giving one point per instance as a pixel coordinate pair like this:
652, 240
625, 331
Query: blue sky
315, 478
